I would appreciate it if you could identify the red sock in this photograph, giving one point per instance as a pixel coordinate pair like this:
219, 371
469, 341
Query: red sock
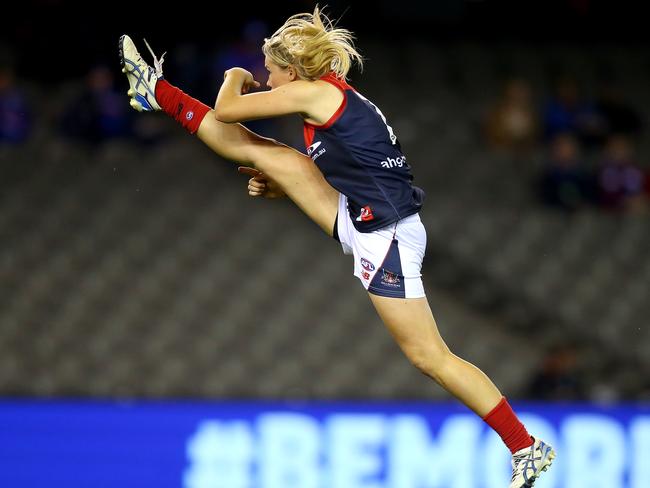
505, 423
185, 110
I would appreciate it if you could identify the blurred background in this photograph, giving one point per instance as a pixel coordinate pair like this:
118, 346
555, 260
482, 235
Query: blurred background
135, 268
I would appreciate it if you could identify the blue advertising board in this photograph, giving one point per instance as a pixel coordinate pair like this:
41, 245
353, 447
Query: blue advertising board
309, 445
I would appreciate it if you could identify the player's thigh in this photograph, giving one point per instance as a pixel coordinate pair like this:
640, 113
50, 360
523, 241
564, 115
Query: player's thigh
411, 323
300, 179
296, 173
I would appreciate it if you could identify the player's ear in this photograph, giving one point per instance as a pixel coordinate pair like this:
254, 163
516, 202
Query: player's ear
293, 74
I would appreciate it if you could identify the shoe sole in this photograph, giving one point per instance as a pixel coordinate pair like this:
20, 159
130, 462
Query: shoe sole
131, 92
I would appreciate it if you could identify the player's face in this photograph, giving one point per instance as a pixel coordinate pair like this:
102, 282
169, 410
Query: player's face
277, 76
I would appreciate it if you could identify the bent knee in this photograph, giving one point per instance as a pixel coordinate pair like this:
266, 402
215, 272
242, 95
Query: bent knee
430, 361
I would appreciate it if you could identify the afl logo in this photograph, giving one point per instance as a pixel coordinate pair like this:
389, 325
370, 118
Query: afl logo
367, 265
189, 115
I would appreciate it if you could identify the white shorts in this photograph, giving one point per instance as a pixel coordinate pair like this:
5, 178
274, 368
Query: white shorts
388, 261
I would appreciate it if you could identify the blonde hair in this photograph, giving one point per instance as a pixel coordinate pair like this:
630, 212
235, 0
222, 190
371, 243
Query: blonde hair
313, 46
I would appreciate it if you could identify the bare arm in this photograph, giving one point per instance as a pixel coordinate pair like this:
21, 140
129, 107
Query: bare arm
235, 104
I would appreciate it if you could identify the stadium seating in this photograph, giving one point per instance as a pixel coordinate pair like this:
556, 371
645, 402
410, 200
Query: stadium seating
132, 270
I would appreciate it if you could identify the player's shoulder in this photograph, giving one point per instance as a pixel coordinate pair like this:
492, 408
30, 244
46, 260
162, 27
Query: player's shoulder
316, 91
324, 86
303, 89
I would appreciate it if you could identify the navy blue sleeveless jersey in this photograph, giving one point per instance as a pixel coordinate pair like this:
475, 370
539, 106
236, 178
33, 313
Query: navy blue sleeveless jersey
360, 157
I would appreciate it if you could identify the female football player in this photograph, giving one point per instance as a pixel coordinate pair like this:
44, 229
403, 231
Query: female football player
355, 184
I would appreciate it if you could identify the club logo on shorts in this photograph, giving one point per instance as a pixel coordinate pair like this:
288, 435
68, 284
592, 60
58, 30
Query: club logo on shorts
365, 275
389, 278
189, 115
365, 215
367, 265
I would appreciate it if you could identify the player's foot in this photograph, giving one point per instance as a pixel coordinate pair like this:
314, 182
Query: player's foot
142, 77
528, 463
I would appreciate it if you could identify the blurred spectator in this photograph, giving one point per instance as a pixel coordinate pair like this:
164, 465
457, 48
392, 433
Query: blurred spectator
619, 116
512, 123
621, 182
15, 116
100, 112
246, 52
559, 377
190, 68
569, 111
565, 183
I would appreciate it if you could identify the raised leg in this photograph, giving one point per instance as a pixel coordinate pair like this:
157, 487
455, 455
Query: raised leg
295, 172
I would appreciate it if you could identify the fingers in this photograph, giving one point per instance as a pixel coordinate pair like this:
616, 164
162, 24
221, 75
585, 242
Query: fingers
256, 174
252, 84
247, 170
256, 187
257, 184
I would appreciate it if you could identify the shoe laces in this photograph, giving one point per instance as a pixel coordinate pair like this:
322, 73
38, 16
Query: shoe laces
157, 63
520, 457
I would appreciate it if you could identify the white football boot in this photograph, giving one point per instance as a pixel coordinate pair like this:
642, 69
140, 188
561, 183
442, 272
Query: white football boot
528, 463
142, 77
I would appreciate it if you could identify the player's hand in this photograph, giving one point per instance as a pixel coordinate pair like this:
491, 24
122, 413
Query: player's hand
259, 185
244, 77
